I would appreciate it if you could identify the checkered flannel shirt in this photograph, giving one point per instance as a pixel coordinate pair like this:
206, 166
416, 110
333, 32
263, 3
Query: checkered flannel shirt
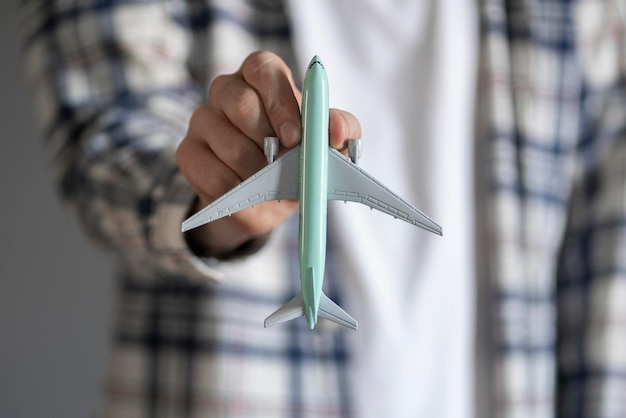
115, 83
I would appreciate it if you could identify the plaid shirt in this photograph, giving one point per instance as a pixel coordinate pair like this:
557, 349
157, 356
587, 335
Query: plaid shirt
115, 83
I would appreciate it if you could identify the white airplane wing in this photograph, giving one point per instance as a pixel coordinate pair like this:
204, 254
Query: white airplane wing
277, 181
348, 182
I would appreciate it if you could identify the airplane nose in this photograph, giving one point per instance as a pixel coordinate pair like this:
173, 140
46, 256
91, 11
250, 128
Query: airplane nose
316, 60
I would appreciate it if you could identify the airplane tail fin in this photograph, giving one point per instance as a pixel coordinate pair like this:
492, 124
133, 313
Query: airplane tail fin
295, 309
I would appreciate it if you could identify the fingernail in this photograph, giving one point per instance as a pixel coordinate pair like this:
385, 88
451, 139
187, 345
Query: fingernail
289, 134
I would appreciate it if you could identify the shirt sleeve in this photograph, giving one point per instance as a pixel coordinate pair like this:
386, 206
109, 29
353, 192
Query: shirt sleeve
113, 92
592, 279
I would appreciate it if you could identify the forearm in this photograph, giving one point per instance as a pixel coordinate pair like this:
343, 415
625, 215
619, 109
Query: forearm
114, 98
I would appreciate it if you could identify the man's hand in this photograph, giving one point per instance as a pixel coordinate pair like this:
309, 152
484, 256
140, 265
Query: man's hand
224, 146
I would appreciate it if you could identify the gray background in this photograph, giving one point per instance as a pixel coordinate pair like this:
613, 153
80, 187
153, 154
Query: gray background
55, 288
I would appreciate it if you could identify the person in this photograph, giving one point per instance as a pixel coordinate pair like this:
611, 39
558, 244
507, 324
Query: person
504, 121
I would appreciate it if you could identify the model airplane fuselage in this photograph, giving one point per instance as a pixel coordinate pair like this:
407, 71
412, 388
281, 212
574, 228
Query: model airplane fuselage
322, 174
313, 187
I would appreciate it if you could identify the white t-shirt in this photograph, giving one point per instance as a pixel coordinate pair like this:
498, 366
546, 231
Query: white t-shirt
407, 70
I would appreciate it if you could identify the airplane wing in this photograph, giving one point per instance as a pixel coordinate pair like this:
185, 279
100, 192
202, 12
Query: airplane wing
277, 181
348, 182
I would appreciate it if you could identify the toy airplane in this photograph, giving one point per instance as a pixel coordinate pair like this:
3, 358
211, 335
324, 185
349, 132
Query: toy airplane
312, 172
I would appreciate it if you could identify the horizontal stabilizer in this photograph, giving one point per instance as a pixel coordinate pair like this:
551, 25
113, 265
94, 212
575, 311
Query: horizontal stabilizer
327, 310
290, 310
331, 311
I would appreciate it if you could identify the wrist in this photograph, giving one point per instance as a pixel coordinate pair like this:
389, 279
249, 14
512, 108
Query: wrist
244, 248
220, 241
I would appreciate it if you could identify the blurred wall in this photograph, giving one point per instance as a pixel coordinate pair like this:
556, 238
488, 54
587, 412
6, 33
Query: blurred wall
55, 289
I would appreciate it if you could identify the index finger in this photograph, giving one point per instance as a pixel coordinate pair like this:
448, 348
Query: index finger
272, 79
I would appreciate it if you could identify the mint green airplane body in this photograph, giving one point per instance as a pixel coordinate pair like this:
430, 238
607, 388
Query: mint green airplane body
322, 174
313, 188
